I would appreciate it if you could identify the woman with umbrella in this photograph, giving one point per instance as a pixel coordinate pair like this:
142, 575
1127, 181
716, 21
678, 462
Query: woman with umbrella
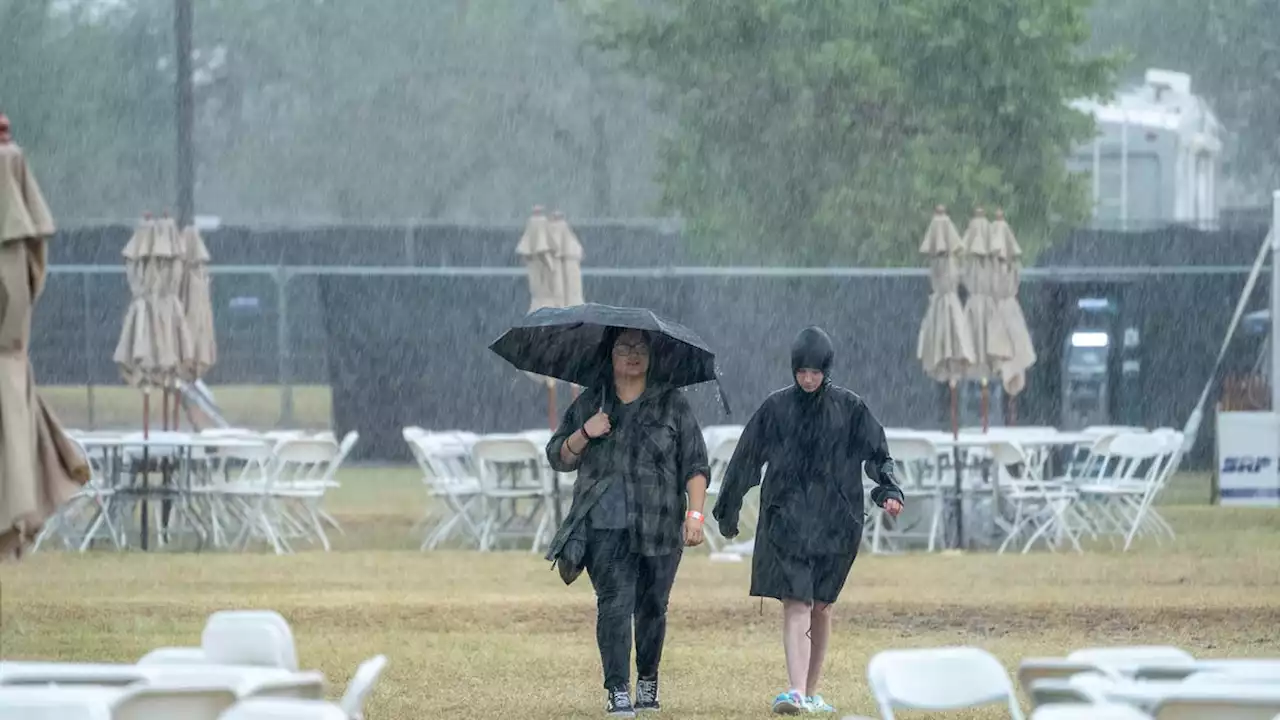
816, 438
642, 471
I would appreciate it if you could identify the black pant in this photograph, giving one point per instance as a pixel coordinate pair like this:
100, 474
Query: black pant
627, 585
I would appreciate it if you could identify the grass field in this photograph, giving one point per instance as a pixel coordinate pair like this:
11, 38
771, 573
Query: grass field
498, 635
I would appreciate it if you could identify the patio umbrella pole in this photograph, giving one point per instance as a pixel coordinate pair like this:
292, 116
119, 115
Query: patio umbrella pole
986, 418
146, 461
955, 458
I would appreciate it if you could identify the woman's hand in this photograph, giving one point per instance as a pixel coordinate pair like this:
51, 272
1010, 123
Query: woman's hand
693, 530
598, 426
893, 507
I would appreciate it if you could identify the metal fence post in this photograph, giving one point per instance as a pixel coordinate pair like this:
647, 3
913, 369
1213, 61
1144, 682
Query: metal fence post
88, 344
283, 351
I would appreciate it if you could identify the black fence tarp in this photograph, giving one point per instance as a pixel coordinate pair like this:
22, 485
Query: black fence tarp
401, 350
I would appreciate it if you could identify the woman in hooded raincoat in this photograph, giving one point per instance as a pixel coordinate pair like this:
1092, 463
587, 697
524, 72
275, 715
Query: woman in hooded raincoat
816, 439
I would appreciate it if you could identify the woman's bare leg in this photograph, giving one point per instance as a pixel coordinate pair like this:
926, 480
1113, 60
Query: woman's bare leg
819, 634
795, 642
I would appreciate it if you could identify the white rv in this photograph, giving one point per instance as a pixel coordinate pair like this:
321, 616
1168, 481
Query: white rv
1157, 157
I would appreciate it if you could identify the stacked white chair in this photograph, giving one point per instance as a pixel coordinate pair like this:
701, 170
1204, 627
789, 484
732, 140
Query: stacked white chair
1039, 506
1113, 501
530, 481
451, 483
949, 678
718, 457
920, 475
94, 497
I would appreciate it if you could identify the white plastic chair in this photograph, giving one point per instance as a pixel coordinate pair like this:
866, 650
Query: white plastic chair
450, 480
917, 464
174, 656
249, 637
298, 480
1039, 507
1219, 702
531, 482
721, 453
48, 702
1128, 659
1082, 711
948, 678
188, 698
361, 686
281, 709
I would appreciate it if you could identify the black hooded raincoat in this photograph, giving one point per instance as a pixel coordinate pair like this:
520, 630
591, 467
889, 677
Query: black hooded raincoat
815, 446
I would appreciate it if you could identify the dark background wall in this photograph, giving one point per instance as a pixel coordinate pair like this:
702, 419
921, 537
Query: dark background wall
411, 349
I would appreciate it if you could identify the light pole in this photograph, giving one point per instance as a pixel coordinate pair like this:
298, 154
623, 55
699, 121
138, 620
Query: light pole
186, 170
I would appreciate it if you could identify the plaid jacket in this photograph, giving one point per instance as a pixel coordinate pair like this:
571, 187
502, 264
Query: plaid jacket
653, 454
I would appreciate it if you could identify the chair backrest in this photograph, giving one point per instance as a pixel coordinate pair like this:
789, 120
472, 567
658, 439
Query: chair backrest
308, 685
249, 637
187, 699
948, 678
917, 457
282, 709
303, 459
50, 702
492, 450
1132, 656
361, 686
1082, 711
174, 656
344, 449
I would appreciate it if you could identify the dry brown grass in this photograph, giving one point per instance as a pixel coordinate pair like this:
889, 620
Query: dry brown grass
255, 406
498, 635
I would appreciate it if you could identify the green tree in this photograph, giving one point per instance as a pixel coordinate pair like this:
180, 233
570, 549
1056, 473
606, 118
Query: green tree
1230, 48
826, 130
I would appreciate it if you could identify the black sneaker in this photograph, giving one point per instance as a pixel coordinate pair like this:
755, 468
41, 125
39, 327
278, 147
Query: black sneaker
647, 696
618, 703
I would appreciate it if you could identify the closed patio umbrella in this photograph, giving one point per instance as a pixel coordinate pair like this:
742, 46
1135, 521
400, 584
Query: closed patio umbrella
990, 338
944, 345
569, 254
197, 305
543, 267
40, 467
1008, 278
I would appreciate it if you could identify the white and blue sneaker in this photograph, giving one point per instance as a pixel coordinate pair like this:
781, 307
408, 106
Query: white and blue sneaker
618, 703
789, 703
818, 705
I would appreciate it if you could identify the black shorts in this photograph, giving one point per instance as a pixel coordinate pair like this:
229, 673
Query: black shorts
807, 578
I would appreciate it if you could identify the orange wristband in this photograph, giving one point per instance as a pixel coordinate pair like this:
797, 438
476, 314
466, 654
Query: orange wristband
696, 515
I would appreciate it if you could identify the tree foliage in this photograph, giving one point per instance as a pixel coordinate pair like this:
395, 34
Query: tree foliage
826, 130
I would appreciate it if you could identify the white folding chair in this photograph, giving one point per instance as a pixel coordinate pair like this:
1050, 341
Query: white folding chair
1146, 518
1129, 659
450, 480
1083, 711
925, 494
174, 656
1219, 702
281, 709
299, 481
1114, 499
523, 463
249, 637
948, 678
188, 698
239, 504
95, 497
1039, 507
361, 686
719, 456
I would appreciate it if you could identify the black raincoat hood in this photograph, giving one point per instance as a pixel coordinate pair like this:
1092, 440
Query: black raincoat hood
812, 349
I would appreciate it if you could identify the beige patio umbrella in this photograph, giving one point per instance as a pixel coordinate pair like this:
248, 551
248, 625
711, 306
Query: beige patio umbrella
569, 254
543, 268
990, 338
155, 343
197, 306
40, 467
1008, 278
944, 346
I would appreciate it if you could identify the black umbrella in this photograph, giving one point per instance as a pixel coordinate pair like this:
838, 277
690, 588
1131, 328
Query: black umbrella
569, 344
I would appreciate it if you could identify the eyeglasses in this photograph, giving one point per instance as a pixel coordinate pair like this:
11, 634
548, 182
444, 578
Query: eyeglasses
622, 350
